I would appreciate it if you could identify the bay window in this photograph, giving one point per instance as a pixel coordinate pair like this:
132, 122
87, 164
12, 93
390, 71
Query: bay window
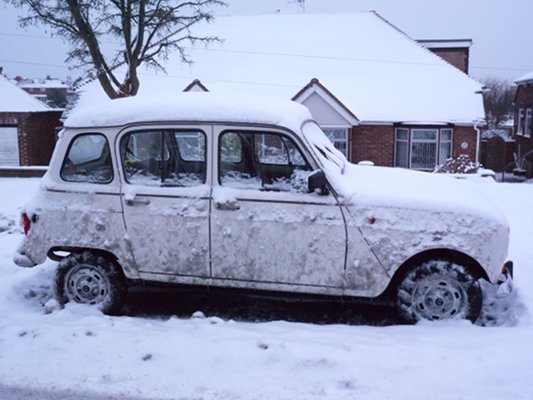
422, 148
339, 138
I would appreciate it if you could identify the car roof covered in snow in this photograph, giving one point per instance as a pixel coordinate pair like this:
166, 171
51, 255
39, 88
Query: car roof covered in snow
190, 107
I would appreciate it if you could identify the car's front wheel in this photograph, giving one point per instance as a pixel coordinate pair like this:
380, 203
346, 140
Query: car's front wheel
92, 279
439, 290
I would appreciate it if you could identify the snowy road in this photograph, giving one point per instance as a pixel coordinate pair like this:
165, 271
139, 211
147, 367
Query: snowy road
169, 355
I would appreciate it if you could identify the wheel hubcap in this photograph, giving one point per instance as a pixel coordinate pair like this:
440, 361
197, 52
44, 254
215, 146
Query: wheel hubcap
86, 284
439, 298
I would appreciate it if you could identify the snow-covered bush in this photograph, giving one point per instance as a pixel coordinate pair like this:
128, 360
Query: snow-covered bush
460, 165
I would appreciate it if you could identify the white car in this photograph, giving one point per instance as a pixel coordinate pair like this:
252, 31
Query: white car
249, 193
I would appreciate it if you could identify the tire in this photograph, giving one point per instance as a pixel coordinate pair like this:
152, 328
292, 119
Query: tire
439, 290
91, 279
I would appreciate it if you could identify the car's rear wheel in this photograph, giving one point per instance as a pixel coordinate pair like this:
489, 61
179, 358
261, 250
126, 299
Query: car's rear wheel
91, 279
439, 290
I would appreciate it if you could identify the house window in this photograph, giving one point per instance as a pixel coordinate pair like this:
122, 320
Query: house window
339, 138
402, 148
445, 147
422, 148
520, 122
527, 128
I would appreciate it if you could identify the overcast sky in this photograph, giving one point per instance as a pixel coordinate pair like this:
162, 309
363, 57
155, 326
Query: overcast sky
501, 31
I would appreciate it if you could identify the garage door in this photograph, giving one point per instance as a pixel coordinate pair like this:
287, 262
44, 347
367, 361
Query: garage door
9, 146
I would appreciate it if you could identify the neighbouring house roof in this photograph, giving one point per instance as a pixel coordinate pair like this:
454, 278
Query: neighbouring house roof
41, 84
445, 43
369, 66
196, 86
527, 78
14, 99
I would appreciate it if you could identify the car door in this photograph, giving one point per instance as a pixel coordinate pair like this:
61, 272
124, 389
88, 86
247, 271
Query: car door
266, 230
165, 197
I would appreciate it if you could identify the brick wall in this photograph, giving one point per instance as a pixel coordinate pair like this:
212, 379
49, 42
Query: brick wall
458, 57
36, 134
38, 137
524, 96
374, 143
10, 118
464, 134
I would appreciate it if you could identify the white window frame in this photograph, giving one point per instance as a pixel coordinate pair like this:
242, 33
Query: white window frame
444, 141
346, 140
439, 141
519, 123
14, 157
404, 141
527, 127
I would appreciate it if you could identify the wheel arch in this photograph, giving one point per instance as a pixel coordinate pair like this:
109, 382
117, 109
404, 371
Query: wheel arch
53, 253
444, 254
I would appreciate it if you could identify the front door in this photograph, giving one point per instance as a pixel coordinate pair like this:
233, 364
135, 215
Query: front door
265, 227
165, 199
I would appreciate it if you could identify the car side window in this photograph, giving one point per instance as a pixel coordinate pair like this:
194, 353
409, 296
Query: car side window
164, 157
88, 160
261, 161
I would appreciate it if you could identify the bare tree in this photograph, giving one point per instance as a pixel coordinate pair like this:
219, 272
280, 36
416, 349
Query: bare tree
498, 100
146, 31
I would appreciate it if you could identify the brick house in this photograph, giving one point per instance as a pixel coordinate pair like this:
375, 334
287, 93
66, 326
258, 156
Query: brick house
27, 128
50, 91
454, 51
524, 121
378, 94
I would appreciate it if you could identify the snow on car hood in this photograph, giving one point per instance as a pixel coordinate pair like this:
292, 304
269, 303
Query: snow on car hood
395, 187
366, 185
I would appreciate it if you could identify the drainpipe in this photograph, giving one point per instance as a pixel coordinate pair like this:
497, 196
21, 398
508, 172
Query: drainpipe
478, 140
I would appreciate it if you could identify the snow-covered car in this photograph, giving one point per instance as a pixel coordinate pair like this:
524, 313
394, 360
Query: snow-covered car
249, 193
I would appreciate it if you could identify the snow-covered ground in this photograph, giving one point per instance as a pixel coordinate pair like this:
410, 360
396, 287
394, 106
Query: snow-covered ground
78, 350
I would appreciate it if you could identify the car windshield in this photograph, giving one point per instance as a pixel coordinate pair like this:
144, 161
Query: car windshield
329, 156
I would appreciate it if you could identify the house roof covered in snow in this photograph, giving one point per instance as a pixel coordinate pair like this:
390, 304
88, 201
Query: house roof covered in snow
14, 99
41, 84
527, 78
372, 68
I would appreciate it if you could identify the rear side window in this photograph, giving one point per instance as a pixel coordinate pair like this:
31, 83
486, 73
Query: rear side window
164, 158
88, 160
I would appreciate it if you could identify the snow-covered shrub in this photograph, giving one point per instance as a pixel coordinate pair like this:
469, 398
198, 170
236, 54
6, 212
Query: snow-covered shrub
460, 165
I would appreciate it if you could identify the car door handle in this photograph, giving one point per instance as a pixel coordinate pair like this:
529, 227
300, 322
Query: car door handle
227, 205
134, 202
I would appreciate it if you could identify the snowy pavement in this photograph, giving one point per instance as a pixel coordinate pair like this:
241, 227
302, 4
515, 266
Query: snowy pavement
80, 353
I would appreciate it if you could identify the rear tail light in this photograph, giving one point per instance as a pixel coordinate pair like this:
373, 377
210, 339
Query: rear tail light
507, 269
26, 223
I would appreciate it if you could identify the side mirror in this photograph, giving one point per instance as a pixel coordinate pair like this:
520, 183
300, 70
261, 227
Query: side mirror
317, 182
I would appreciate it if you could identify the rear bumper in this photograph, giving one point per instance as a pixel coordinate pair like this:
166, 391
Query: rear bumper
21, 259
